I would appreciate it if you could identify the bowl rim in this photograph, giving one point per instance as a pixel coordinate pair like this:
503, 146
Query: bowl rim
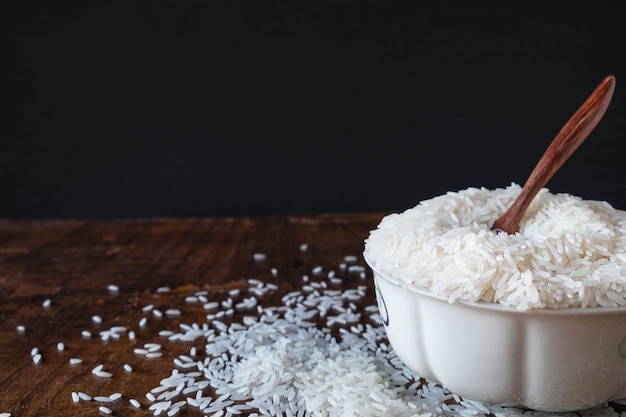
483, 305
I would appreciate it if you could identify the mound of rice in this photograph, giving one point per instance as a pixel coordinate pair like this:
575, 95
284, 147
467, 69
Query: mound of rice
569, 252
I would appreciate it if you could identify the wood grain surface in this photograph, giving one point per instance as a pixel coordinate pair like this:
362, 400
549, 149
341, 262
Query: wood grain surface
72, 263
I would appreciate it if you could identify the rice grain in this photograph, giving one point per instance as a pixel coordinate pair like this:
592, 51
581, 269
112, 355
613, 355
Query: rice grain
105, 410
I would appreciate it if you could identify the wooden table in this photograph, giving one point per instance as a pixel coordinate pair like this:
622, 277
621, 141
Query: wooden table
72, 264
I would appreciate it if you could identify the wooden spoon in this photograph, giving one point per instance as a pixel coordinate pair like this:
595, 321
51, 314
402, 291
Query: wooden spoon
562, 147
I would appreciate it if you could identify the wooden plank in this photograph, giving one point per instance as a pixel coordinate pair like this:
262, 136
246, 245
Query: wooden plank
72, 263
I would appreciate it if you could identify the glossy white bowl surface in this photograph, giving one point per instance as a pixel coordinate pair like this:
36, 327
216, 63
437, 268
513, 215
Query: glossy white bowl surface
553, 360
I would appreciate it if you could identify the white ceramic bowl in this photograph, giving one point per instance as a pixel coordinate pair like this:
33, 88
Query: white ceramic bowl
550, 359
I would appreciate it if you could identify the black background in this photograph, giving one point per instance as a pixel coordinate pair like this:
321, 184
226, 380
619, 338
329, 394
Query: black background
244, 108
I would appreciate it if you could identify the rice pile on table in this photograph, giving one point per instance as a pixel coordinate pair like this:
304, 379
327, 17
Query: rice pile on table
569, 252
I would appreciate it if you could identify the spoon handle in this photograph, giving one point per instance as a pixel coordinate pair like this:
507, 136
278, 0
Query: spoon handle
573, 133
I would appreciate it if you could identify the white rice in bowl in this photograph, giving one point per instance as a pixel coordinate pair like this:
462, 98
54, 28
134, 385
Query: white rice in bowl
569, 252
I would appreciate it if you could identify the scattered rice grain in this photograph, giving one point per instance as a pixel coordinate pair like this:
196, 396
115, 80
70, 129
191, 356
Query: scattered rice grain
102, 399
83, 396
105, 410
